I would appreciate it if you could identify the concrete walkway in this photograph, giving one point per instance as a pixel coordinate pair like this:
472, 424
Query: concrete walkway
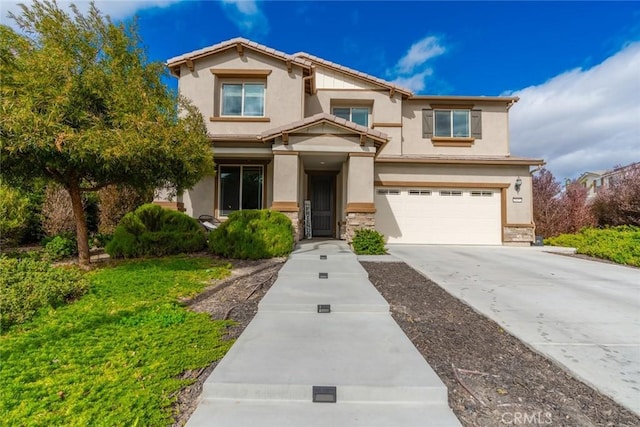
583, 314
268, 376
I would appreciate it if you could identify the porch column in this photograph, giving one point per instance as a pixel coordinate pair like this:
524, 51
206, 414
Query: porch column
360, 210
286, 184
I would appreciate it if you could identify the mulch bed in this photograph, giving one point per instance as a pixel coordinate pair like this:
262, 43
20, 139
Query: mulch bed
493, 379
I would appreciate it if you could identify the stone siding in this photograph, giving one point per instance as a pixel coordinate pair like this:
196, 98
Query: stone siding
356, 221
519, 234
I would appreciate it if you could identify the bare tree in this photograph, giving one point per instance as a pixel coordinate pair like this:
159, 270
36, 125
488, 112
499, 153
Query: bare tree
618, 203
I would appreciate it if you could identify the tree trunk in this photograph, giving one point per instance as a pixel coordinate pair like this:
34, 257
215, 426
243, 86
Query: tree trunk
82, 233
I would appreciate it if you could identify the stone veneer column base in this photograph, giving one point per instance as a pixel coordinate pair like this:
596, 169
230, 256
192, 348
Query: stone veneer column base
296, 222
519, 234
356, 221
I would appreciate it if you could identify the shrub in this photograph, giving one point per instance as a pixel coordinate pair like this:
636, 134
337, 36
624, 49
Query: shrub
368, 242
116, 202
60, 247
27, 285
618, 244
57, 213
14, 215
253, 234
153, 231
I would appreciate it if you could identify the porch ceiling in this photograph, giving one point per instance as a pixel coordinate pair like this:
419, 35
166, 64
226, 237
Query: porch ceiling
323, 161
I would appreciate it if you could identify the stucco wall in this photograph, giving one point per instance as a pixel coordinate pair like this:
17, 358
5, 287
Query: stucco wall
495, 132
383, 110
283, 94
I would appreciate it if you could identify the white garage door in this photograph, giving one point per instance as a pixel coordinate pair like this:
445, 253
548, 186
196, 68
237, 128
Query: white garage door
439, 216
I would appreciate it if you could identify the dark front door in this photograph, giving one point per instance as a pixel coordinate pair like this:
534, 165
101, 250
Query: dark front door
321, 188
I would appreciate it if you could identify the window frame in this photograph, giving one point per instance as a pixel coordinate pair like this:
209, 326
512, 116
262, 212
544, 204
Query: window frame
351, 108
452, 112
243, 96
221, 211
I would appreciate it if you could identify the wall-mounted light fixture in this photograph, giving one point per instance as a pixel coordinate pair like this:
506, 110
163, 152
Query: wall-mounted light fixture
518, 185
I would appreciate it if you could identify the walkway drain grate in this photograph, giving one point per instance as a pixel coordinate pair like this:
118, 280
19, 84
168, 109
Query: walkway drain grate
324, 308
324, 394
323, 257
323, 275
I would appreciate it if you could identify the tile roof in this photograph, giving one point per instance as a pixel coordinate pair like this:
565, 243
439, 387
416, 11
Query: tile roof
324, 117
347, 70
231, 43
303, 59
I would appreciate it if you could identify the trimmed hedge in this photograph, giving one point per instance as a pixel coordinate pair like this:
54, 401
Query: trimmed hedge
153, 231
28, 284
368, 242
253, 234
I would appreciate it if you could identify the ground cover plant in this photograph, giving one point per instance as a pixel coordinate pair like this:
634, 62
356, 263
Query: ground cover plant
28, 285
253, 234
618, 244
153, 231
114, 356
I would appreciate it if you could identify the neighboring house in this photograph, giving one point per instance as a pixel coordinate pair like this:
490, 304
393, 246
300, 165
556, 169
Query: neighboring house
594, 182
365, 152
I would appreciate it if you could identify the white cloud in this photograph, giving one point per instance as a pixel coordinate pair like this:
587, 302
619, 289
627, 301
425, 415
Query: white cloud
247, 16
419, 53
582, 120
117, 9
412, 70
416, 82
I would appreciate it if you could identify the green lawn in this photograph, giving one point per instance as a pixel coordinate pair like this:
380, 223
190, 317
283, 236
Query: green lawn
113, 356
618, 244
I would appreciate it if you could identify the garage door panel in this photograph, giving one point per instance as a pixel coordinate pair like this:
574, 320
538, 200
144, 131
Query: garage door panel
439, 219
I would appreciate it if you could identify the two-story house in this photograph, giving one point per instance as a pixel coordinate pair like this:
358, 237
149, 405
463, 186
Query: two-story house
290, 128
596, 181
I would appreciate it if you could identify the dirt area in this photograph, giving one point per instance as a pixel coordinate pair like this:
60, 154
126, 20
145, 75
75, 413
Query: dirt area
493, 379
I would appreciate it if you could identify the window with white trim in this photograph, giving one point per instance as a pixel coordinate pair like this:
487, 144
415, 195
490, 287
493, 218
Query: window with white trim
450, 193
358, 115
240, 188
419, 192
451, 123
243, 99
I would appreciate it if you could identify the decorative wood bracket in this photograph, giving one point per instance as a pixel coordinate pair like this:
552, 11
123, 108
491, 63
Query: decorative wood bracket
392, 92
285, 138
189, 63
240, 49
289, 66
363, 139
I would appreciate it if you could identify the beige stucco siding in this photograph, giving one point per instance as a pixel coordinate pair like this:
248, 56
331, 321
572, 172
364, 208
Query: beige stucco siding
283, 94
199, 200
495, 132
385, 112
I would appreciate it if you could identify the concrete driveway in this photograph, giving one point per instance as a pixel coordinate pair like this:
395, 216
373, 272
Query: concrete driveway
583, 314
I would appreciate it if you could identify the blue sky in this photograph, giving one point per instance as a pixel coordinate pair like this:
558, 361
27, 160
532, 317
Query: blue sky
575, 65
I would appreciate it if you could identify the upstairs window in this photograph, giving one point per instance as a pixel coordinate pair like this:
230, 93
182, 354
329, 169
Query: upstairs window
243, 99
358, 115
452, 123
463, 124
